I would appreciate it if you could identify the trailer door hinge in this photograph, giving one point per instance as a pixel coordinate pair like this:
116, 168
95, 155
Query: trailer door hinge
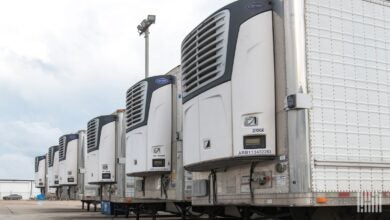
121, 160
298, 101
179, 136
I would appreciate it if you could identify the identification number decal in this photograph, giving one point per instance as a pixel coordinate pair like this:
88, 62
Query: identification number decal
257, 130
254, 152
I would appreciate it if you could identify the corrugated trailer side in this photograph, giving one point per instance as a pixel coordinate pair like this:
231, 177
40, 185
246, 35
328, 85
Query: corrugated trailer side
332, 87
348, 64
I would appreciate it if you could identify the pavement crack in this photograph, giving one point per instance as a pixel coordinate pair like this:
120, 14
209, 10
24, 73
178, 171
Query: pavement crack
10, 210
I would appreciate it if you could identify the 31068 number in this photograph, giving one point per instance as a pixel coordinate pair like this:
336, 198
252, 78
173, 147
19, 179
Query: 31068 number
257, 130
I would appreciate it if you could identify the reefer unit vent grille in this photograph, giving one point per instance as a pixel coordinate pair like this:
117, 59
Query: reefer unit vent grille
92, 135
50, 157
37, 159
36, 163
204, 52
135, 104
62, 142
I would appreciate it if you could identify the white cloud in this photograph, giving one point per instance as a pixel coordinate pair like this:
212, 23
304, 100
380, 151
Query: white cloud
27, 138
16, 166
20, 142
64, 62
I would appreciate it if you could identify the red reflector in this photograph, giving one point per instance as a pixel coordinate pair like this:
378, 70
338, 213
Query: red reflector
344, 194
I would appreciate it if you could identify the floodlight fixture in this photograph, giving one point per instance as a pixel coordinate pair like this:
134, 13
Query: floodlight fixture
143, 28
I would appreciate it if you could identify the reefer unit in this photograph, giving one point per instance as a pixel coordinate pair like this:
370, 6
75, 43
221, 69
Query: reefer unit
53, 167
105, 158
71, 165
40, 171
149, 126
153, 137
68, 155
101, 159
296, 94
228, 88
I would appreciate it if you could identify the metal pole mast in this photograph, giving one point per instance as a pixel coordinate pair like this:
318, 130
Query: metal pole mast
143, 28
147, 53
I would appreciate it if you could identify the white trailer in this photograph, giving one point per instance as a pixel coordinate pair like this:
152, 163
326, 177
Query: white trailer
105, 163
287, 104
153, 138
52, 170
68, 152
40, 172
101, 150
71, 165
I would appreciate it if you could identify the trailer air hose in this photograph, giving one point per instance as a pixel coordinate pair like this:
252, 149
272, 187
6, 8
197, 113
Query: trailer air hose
164, 181
215, 186
251, 179
161, 185
69, 192
213, 183
143, 186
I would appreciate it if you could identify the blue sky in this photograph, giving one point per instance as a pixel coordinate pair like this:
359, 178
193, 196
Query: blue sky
64, 62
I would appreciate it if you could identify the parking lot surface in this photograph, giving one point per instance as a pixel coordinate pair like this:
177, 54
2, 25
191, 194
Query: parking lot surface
42, 210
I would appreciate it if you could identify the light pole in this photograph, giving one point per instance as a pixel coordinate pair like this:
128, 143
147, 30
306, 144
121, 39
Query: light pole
143, 28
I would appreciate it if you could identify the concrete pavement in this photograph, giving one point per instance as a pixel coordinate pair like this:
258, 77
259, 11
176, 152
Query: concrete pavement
42, 210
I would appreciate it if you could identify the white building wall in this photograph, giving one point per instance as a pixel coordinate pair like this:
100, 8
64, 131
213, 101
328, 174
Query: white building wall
25, 188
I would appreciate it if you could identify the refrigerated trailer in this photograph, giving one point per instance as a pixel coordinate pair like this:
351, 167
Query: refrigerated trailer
71, 165
52, 170
287, 104
105, 160
153, 142
40, 173
91, 192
